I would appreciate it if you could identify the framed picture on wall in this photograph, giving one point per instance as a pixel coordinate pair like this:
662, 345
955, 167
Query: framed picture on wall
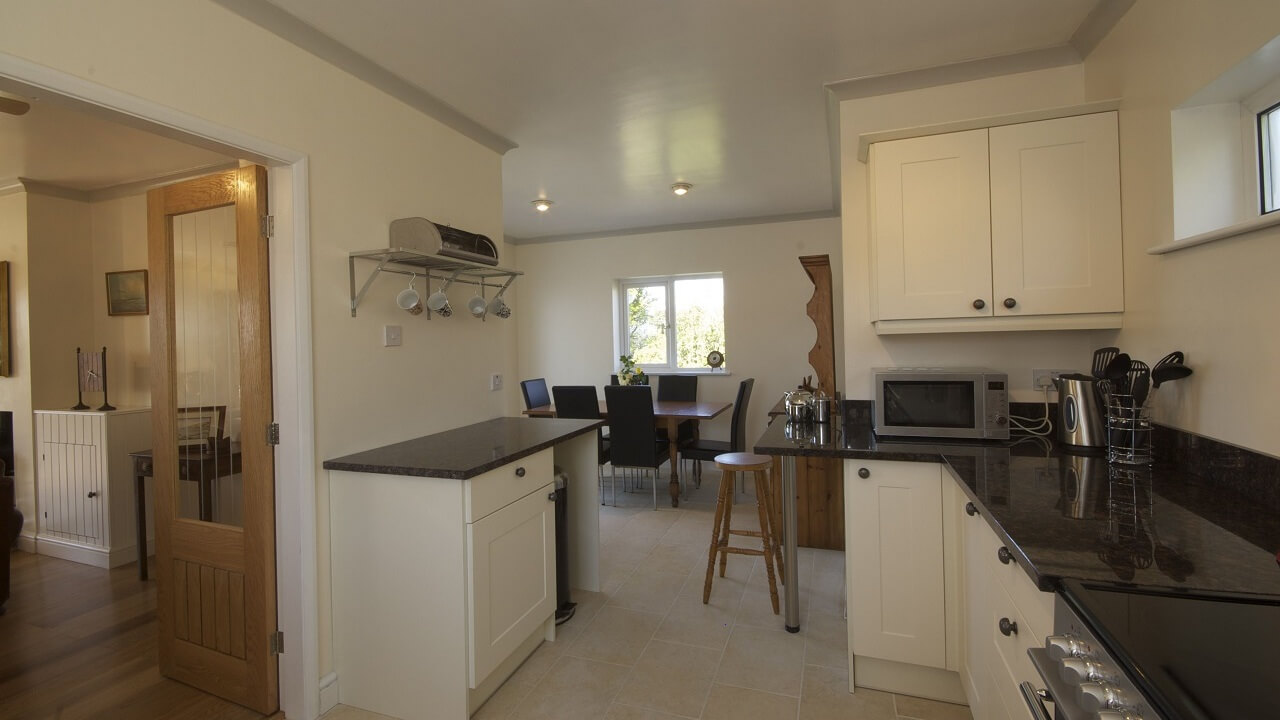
127, 293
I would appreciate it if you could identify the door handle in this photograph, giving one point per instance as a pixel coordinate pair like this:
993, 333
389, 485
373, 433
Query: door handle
1008, 627
93, 494
551, 496
1035, 701
970, 509
1005, 556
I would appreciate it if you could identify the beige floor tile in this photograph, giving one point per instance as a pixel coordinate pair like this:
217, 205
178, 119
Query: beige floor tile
761, 659
826, 592
826, 696
756, 609
629, 712
345, 712
574, 688
616, 635
734, 703
921, 709
673, 557
671, 678
693, 623
653, 591
826, 640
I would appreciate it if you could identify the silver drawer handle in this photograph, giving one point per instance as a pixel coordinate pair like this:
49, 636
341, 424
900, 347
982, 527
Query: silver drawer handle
1035, 700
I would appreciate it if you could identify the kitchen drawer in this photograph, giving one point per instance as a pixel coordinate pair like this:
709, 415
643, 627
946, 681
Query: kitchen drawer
1036, 606
1010, 664
502, 486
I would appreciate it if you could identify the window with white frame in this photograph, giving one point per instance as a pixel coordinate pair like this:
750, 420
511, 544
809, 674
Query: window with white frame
671, 323
1269, 158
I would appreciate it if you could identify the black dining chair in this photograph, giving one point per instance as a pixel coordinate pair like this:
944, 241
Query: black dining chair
632, 427
535, 393
683, 388
580, 402
703, 449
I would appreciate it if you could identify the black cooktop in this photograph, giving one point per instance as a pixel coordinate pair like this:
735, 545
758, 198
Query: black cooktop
1196, 656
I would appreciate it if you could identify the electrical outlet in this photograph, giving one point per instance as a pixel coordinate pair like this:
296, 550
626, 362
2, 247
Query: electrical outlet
1043, 377
391, 336
495, 382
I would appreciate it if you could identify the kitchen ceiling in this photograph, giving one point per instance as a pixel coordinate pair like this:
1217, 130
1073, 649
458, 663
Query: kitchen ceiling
610, 103
57, 145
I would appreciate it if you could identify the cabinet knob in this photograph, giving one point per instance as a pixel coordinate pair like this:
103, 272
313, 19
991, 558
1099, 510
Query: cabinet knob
551, 496
1008, 627
519, 472
979, 304
970, 510
864, 473
1005, 556
1010, 303
93, 494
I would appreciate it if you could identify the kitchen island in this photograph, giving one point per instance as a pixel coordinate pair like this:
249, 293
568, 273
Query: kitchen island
444, 570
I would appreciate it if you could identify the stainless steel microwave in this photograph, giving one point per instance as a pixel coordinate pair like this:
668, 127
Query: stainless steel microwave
968, 403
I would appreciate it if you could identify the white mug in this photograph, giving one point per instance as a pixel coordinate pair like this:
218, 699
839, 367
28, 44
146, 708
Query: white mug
477, 306
438, 301
409, 300
498, 307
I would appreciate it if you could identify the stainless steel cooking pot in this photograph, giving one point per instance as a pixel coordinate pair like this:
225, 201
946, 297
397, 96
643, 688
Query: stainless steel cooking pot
799, 406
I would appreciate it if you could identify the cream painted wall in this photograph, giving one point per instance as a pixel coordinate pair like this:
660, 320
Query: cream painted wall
1216, 302
565, 312
119, 231
15, 390
60, 274
372, 159
1014, 352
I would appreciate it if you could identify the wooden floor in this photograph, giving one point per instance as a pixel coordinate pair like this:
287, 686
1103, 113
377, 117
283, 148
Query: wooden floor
80, 642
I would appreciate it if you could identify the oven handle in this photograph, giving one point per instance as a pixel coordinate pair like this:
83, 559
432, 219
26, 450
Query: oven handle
1035, 701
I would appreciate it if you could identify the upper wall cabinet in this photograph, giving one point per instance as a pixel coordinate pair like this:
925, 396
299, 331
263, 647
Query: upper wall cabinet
1009, 228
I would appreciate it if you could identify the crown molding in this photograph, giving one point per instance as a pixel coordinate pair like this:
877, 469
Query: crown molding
35, 187
650, 229
920, 78
1097, 24
293, 30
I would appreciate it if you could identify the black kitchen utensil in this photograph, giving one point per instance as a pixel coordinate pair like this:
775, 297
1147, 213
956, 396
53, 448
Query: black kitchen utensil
1174, 358
1141, 386
1168, 373
1117, 373
1101, 358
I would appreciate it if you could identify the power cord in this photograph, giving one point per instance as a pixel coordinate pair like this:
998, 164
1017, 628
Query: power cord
1040, 427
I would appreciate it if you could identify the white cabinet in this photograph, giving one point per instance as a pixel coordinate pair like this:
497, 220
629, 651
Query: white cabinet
84, 481
1007, 228
441, 587
511, 567
1005, 615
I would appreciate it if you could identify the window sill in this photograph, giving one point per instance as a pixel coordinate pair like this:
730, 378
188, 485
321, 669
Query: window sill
687, 371
1230, 231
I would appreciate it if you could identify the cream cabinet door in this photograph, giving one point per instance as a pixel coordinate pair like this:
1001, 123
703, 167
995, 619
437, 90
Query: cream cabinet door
1055, 217
894, 551
511, 568
977, 658
931, 227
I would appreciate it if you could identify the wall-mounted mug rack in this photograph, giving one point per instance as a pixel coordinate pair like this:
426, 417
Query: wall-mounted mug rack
446, 271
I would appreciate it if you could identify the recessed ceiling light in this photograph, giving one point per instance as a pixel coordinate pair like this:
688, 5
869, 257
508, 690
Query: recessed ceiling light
542, 204
681, 188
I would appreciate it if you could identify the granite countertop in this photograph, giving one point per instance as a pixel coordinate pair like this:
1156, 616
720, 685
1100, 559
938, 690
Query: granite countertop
1174, 525
467, 451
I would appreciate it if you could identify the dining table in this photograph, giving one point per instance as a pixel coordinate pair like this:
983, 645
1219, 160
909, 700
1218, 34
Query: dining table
669, 414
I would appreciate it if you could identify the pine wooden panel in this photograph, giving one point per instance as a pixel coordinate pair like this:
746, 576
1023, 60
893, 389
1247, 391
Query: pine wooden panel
194, 633
222, 610
236, 609
208, 608
180, 599
819, 501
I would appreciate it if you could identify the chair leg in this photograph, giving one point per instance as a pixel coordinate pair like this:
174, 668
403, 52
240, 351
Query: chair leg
728, 520
655, 488
715, 544
766, 539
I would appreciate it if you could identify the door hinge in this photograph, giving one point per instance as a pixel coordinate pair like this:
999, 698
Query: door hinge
276, 642
268, 225
273, 434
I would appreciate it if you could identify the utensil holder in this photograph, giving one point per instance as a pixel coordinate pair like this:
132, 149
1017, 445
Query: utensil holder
1128, 431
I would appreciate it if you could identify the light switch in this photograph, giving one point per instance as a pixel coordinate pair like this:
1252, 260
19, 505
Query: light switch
390, 336
495, 382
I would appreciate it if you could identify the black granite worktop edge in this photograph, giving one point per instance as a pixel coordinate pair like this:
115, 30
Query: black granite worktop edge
1213, 503
465, 452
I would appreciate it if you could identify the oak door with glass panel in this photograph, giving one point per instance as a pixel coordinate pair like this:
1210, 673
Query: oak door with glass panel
211, 402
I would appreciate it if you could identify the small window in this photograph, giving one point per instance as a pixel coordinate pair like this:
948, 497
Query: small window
672, 323
1269, 157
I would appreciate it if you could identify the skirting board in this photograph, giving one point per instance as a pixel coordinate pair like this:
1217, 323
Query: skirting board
27, 543
906, 679
328, 692
88, 554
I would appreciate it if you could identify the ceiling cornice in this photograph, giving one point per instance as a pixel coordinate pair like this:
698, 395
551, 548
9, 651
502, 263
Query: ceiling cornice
651, 229
920, 78
1097, 24
291, 29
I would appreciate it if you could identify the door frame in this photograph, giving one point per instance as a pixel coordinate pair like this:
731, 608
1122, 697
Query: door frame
290, 256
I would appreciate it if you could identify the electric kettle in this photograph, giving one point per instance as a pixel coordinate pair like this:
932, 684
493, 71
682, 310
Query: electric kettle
1079, 411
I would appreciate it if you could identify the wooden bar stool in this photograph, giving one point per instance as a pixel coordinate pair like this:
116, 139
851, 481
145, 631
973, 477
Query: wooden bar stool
730, 464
